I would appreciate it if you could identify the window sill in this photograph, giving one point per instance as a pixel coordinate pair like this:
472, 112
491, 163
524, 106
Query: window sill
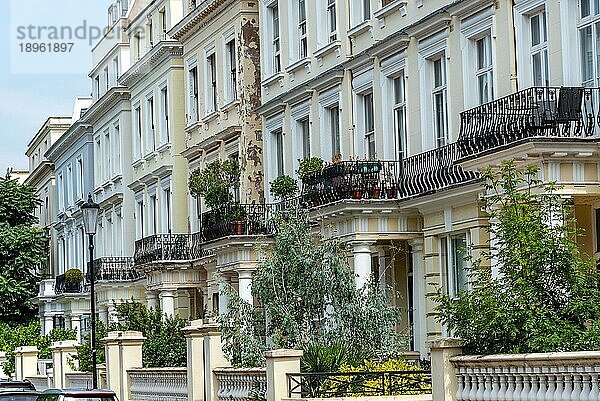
150, 155
397, 5
328, 48
275, 77
230, 105
137, 163
302, 63
210, 116
360, 29
193, 126
164, 147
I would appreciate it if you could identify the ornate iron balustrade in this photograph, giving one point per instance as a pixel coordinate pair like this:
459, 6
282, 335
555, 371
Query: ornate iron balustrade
162, 247
364, 384
237, 219
197, 250
368, 179
62, 286
433, 170
115, 269
565, 112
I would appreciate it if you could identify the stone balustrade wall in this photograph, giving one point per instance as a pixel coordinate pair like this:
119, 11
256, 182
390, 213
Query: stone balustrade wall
164, 384
528, 377
241, 384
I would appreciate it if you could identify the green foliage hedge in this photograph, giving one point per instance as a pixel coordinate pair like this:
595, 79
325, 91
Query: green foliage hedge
165, 345
12, 337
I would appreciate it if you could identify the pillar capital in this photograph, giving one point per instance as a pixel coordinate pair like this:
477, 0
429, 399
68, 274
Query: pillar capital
362, 246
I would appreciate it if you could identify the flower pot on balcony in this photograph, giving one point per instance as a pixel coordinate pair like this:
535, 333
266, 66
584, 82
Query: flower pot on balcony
237, 227
375, 193
357, 193
391, 192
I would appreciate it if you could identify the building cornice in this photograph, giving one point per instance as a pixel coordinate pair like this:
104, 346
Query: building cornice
39, 172
191, 23
46, 127
68, 139
100, 107
163, 51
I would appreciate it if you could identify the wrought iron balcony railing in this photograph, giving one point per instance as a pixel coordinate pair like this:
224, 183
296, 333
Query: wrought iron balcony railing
162, 247
237, 219
115, 269
561, 112
62, 286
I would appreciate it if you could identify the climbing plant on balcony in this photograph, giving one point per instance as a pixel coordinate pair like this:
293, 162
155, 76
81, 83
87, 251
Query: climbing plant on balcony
216, 182
307, 293
22, 248
545, 296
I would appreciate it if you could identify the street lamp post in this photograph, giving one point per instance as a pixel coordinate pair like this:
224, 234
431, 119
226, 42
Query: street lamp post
90, 219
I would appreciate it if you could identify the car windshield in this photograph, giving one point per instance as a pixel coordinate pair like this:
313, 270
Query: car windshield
18, 397
86, 398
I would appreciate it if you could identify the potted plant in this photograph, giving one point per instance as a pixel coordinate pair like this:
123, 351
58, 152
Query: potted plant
216, 182
309, 168
283, 187
73, 279
236, 216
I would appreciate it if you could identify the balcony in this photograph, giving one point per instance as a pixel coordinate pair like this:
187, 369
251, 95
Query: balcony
61, 286
115, 269
237, 219
162, 247
420, 174
537, 112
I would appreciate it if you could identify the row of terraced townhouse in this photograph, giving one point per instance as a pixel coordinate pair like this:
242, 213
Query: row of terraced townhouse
408, 97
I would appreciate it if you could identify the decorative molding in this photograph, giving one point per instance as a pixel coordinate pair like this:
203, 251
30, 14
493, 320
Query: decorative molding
161, 52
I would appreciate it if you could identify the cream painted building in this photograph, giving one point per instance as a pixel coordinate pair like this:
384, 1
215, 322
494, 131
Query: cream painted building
395, 88
43, 179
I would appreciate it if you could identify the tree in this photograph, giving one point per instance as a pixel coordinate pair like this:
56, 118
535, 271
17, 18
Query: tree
307, 294
12, 337
546, 295
22, 249
165, 345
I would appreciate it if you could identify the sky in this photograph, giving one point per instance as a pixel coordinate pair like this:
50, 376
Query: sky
52, 81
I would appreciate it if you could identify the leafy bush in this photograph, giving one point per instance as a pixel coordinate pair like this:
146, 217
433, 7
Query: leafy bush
165, 345
283, 187
12, 337
84, 351
307, 293
320, 357
216, 182
236, 212
73, 276
546, 295
309, 165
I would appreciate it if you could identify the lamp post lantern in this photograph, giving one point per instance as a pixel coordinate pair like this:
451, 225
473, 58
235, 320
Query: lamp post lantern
90, 220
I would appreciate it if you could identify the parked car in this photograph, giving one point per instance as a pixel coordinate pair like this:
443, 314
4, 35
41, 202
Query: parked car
11, 385
19, 395
77, 395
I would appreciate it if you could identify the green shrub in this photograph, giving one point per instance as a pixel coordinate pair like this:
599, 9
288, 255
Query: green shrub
73, 276
309, 165
236, 212
216, 182
321, 357
12, 337
165, 345
283, 187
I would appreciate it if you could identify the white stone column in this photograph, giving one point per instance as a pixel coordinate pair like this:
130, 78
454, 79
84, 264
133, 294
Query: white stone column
444, 383
48, 324
362, 263
26, 362
167, 302
419, 305
245, 285
62, 352
280, 362
152, 299
123, 350
112, 313
223, 297
103, 314
76, 325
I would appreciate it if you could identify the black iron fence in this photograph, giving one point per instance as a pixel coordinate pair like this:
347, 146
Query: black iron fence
562, 112
115, 269
349, 384
168, 247
62, 286
237, 219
